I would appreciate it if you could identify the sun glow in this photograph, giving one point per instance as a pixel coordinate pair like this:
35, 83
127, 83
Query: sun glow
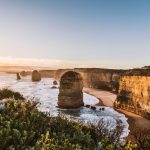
9, 61
55, 63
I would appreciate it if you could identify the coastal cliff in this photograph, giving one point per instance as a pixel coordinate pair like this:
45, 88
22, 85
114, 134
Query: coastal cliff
97, 78
43, 73
106, 79
100, 78
47, 73
134, 93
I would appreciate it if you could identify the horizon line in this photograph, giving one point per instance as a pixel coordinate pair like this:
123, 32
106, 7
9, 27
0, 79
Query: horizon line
58, 63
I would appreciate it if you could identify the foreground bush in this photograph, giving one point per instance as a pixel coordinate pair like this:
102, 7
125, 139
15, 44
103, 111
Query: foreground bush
124, 101
22, 127
6, 93
141, 138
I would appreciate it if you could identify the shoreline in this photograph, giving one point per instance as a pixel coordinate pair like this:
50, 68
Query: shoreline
107, 98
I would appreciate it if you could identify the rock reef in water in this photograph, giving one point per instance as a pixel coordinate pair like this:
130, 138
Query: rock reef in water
36, 76
55, 82
54, 87
70, 90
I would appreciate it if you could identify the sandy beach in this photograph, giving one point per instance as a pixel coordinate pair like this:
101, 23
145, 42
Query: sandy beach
107, 99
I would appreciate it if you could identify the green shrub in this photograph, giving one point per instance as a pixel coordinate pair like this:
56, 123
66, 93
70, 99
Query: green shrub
23, 127
6, 93
141, 138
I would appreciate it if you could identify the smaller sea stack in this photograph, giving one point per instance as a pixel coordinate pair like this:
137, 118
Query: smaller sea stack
18, 76
36, 76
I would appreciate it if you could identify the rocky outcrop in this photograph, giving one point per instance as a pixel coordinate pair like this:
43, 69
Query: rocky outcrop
70, 90
55, 82
36, 76
18, 76
106, 79
98, 78
134, 93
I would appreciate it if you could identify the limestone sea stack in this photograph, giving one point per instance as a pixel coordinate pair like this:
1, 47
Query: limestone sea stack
70, 90
18, 76
36, 76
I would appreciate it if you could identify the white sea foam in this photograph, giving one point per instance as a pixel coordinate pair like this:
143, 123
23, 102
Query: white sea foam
47, 98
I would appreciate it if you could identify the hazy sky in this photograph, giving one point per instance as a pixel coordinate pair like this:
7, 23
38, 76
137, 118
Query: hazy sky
88, 33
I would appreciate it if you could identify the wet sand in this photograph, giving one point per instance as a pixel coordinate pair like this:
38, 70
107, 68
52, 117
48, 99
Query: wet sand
106, 98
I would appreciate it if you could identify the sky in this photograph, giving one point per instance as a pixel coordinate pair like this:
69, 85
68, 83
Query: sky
75, 33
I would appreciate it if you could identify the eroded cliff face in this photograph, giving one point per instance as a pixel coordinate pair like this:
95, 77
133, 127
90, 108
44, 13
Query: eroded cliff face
99, 78
135, 91
106, 79
47, 73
